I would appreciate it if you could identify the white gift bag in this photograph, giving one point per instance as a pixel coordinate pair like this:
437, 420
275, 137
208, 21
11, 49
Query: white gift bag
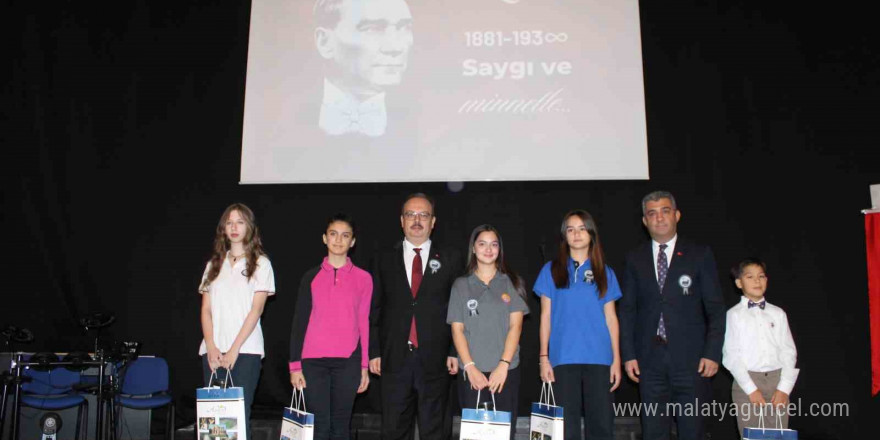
220, 412
546, 420
297, 424
484, 424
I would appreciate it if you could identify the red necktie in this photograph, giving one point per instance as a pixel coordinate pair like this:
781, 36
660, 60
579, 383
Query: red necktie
414, 286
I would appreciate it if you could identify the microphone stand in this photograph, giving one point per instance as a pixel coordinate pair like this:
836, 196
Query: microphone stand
96, 322
99, 411
14, 378
7, 380
16, 401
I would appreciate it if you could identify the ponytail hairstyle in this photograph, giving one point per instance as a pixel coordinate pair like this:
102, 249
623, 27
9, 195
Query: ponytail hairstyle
253, 245
500, 263
559, 267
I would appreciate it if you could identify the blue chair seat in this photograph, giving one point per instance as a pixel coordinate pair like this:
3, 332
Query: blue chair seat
144, 402
53, 402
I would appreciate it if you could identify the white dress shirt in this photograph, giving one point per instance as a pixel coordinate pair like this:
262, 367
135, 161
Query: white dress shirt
409, 254
760, 341
341, 113
655, 249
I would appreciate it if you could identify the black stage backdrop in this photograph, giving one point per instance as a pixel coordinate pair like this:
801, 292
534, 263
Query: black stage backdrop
123, 141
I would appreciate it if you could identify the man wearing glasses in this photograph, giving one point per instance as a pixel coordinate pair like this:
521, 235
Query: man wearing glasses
410, 342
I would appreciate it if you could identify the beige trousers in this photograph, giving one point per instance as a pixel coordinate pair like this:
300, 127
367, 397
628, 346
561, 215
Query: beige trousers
748, 415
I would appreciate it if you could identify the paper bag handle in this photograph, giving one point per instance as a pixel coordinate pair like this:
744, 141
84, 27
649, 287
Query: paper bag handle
778, 417
225, 383
547, 391
494, 410
296, 403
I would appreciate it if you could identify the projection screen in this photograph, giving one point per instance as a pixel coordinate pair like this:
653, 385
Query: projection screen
443, 90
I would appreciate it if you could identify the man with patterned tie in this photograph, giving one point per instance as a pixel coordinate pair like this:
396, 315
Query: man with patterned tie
365, 45
410, 341
671, 322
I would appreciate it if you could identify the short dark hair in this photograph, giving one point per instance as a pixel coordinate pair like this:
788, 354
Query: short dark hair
655, 196
327, 13
345, 218
418, 195
737, 271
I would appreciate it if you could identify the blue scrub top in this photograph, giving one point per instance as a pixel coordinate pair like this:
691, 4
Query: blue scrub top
578, 332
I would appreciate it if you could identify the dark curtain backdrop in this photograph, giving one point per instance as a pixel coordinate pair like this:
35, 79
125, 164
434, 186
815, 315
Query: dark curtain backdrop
122, 145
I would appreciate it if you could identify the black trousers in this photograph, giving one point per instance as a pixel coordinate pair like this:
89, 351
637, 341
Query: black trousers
331, 387
584, 389
663, 383
506, 400
409, 394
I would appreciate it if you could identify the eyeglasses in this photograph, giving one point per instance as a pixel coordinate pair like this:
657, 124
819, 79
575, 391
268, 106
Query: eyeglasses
424, 216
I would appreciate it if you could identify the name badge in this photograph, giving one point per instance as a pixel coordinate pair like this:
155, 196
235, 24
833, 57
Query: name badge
588, 276
685, 282
434, 265
472, 307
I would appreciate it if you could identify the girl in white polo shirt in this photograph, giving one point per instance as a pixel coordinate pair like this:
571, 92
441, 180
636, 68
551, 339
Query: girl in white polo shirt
234, 288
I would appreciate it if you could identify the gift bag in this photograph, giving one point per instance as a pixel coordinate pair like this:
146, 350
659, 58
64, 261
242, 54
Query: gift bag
484, 424
220, 412
297, 424
546, 420
762, 433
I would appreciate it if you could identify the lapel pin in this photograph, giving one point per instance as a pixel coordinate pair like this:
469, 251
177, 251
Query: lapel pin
472, 307
588, 276
685, 282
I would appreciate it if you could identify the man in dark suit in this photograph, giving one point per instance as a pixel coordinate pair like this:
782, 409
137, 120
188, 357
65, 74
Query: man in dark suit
671, 322
410, 342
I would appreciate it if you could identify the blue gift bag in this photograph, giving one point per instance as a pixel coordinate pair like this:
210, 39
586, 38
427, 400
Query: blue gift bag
763, 433
547, 418
220, 394
484, 424
220, 412
297, 424
769, 434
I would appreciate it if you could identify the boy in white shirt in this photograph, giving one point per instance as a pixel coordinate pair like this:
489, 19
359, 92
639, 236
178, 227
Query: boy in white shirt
758, 350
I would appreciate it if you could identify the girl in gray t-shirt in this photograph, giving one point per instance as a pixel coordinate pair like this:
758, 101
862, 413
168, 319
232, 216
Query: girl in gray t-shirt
486, 309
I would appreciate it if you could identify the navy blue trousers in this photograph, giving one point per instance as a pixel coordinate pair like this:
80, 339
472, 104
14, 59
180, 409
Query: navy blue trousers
675, 390
246, 375
584, 389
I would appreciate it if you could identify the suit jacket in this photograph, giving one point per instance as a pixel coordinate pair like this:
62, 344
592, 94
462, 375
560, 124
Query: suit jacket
694, 319
393, 307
